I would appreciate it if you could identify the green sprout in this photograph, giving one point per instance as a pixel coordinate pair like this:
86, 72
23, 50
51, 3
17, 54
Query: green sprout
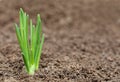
31, 39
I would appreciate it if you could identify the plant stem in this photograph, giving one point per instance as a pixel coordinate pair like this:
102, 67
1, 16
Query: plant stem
31, 70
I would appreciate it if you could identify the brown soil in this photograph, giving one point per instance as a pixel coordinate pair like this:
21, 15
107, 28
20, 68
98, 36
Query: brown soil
82, 41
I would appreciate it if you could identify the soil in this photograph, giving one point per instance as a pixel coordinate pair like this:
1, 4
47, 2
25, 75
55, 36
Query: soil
82, 41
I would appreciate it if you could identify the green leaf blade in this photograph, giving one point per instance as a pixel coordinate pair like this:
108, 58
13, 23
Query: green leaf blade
31, 47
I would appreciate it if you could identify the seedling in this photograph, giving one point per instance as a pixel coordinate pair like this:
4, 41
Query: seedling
31, 39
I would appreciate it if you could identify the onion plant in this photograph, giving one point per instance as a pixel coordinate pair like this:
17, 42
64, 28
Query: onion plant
31, 39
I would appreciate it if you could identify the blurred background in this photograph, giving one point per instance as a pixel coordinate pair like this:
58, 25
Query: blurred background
82, 40
60, 18
56, 15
